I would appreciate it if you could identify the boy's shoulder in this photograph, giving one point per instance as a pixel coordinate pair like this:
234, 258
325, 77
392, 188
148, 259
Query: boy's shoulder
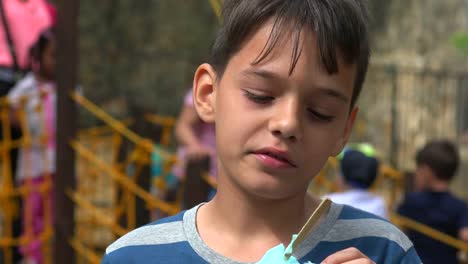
361, 224
24, 86
427, 198
346, 226
163, 240
159, 232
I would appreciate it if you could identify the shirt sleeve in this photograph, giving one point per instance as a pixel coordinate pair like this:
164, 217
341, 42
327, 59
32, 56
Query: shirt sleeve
105, 260
19, 90
411, 257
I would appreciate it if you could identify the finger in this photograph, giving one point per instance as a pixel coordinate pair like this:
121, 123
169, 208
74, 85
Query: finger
347, 256
360, 261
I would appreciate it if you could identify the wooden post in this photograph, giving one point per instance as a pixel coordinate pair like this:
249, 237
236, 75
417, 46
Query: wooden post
67, 63
394, 140
142, 128
196, 189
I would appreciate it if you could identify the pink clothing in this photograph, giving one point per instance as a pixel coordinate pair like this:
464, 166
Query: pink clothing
205, 132
206, 135
26, 20
36, 203
53, 13
36, 161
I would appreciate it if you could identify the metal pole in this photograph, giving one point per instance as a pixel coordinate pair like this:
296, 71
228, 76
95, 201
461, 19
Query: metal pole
67, 62
394, 140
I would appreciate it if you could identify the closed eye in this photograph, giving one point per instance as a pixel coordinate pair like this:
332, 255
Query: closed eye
259, 99
319, 116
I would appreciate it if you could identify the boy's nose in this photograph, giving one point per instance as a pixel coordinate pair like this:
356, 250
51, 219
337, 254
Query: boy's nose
285, 122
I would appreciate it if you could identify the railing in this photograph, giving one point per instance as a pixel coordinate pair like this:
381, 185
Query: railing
28, 191
99, 163
123, 173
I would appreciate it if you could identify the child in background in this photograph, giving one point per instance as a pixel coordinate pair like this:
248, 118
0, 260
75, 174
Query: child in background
36, 162
197, 148
433, 204
281, 89
197, 138
359, 172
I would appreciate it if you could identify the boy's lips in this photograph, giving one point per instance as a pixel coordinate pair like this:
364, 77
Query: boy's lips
274, 157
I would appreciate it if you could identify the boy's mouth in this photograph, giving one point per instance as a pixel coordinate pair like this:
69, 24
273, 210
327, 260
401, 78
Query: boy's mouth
274, 157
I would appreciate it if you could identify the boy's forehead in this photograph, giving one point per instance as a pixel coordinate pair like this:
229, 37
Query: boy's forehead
257, 50
260, 51
279, 60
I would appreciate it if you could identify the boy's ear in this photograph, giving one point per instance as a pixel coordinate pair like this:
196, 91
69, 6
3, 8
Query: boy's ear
341, 143
204, 92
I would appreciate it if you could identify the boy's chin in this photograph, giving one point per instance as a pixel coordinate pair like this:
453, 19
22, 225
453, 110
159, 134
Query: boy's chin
275, 192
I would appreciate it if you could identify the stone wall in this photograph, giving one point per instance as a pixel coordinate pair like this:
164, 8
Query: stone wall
417, 87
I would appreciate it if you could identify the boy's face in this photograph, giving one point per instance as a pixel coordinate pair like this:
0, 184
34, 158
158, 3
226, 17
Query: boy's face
275, 131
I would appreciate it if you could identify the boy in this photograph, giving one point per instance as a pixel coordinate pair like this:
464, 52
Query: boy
280, 88
359, 172
433, 204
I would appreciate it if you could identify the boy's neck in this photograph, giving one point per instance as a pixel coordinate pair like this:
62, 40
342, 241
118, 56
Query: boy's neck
260, 222
439, 186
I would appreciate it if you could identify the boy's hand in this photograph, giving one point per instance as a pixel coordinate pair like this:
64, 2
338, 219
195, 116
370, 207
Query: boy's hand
349, 256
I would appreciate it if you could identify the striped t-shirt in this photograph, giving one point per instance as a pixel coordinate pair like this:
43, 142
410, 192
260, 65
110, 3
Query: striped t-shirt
176, 240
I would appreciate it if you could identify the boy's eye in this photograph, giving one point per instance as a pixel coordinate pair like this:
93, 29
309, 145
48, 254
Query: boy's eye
319, 116
259, 99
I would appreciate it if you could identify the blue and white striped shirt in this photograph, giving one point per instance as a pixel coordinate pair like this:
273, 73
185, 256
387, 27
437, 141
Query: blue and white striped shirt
176, 240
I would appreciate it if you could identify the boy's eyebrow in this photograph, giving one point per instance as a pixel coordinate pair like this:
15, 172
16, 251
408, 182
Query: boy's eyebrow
261, 73
334, 92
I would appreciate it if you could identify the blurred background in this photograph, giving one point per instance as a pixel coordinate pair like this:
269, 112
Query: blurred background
418, 71
133, 63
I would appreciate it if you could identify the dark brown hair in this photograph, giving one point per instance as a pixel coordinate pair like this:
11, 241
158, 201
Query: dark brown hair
341, 28
38, 48
441, 156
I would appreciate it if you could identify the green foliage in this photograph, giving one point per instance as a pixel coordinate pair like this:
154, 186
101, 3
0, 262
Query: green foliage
143, 51
460, 41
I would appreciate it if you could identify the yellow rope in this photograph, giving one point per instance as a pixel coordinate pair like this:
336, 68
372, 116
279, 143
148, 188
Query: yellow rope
428, 231
100, 130
146, 144
84, 251
209, 179
26, 239
161, 120
216, 5
124, 180
167, 124
101, 217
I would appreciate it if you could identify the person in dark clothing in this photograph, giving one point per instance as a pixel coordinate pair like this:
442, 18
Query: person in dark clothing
433, 204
